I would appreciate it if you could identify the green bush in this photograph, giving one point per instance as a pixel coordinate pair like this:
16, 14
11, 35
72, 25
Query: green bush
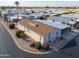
20, 34
45, 46
37, 45
11, 26
32, 43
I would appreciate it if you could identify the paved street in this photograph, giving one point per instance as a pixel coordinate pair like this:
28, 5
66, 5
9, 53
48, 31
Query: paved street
9, 49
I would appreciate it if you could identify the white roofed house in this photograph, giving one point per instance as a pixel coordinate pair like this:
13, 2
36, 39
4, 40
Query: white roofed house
4, 14
37, 15
13, 18
38, 31
28, 10
11, 11
8, 13
73, 16
64, 20
51, 14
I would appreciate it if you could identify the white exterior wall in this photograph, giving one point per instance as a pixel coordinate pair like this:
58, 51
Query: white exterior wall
31, 33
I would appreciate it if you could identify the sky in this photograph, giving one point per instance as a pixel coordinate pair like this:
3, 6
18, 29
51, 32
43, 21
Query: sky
39, 3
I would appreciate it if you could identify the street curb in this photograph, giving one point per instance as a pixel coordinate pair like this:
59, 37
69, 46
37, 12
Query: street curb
20, 47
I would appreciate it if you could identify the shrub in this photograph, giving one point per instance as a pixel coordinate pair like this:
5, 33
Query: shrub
37, 45
32, 43
20, 34
45, 46
11, 26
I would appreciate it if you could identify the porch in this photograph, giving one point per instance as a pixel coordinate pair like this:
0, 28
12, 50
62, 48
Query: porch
61, 42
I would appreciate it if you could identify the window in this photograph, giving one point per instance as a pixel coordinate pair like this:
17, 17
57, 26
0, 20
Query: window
56, 34
49, 36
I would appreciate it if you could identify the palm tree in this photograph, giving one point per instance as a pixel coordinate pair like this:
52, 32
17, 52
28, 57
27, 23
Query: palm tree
17, 3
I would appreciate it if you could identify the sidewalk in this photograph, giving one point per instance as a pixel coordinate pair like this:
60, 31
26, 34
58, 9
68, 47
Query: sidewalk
22, 44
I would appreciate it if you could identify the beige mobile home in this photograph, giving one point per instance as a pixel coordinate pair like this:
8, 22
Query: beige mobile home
38, 31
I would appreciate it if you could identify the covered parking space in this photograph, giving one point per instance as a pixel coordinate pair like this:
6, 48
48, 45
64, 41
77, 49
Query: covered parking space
65, 30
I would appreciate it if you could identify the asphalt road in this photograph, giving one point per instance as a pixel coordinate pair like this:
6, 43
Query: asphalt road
9, 49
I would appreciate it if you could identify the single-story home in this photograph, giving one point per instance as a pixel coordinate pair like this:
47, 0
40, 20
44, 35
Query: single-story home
39, 32
37, 15
64, 20
13, 18
51, 14
4, 12
11, 11
74, 16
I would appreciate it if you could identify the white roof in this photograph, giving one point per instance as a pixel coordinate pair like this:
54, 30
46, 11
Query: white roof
37, 14
15, 17
71, 22
24, 15
55, 24
77, 20
62, 19
51, 14
60, 11
4, 12
71, 15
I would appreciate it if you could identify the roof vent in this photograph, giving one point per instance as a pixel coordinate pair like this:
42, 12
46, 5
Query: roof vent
34, 25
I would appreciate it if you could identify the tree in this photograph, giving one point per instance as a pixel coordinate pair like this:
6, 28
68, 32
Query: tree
45, 46
17, 3
37, 45
20, 34
11, 26
3, 7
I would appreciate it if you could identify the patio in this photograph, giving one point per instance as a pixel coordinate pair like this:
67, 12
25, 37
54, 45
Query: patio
60, 43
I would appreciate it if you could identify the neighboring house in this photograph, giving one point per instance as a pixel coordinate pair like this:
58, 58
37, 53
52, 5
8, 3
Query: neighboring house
14, 18
39, 32
8, 12
4, 12
11, 11
62, 28
37, 15
74, 16
51, 14
28, 10
64, 20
